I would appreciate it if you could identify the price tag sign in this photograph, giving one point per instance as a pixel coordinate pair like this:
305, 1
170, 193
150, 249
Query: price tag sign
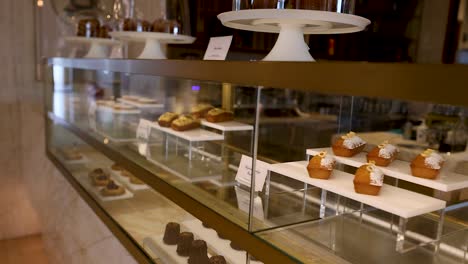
144, 129
218, 48
244, 173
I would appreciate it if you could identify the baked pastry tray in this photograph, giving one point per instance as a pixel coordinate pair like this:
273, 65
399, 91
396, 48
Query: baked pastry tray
227, 126
126, 182
446, 181
194, 135
95, 191
391, 199
215, 243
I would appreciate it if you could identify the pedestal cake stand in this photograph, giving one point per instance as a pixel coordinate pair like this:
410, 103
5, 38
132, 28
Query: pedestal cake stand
153, 41
98, 47
292, 24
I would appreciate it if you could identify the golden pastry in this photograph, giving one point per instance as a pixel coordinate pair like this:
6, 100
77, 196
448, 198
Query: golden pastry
348, 145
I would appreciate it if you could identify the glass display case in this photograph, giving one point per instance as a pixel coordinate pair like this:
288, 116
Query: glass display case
353, 162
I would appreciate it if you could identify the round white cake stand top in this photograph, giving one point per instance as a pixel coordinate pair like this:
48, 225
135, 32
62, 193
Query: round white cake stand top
292, 24
98, 46
153, 41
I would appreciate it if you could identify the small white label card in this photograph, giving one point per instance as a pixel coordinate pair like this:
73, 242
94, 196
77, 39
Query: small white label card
244, 173
218, 48
144, 129
243, 202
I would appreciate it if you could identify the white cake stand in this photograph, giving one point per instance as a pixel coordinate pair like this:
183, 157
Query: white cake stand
292, 24
153, 41
98, 46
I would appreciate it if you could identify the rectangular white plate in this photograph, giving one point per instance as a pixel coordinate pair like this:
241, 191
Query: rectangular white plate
227, 126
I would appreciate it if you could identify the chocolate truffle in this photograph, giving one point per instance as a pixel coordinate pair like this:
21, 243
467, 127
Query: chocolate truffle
171, 234
221, 235
235, 246
217, 260
184, 244
198, 253
205, 225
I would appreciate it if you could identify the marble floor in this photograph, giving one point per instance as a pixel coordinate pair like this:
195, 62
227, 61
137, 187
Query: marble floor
24, 250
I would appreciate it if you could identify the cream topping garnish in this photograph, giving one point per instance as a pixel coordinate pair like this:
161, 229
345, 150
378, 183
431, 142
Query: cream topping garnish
326, 161
387, 150
432, 159
376, 175
352, 141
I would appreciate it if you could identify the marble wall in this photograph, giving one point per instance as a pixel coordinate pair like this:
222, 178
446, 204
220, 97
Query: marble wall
34, 196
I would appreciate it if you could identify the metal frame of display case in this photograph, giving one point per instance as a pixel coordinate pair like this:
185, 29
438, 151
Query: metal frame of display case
395, 81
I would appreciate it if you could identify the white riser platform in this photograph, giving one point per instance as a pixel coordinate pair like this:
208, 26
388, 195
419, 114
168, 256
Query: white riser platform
391, 199
194, 135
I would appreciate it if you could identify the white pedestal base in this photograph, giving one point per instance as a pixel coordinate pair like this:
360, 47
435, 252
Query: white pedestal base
290, 45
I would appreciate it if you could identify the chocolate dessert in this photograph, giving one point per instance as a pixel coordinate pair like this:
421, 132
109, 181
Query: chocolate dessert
184, 244
171, 234
143, 26
198, 253
129, 25
217, 260
235, 246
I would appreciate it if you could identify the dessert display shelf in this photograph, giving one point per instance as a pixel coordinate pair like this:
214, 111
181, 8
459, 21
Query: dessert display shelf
227, 126
187, 177
98, 47
139, 105
397, 201
194, 135
153, 41
215, 243
447, 180
113, 139
292, 24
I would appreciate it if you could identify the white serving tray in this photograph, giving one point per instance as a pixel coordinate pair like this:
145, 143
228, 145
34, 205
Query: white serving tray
95, 191
227, 126
391, 199
215, 243
136, 104
194, 135
126, 182
446, 181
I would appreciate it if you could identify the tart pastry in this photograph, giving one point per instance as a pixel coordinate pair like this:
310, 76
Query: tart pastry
217, 115
321, 166
368, 179
171, 233
135, 180
348, 145
184, 123
112, 189
427, 164
126, 173
200, 110
383, 154
166, 119
99, 177
198, 252
217, 260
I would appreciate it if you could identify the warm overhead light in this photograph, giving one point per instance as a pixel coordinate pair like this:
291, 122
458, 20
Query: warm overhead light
40, 3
